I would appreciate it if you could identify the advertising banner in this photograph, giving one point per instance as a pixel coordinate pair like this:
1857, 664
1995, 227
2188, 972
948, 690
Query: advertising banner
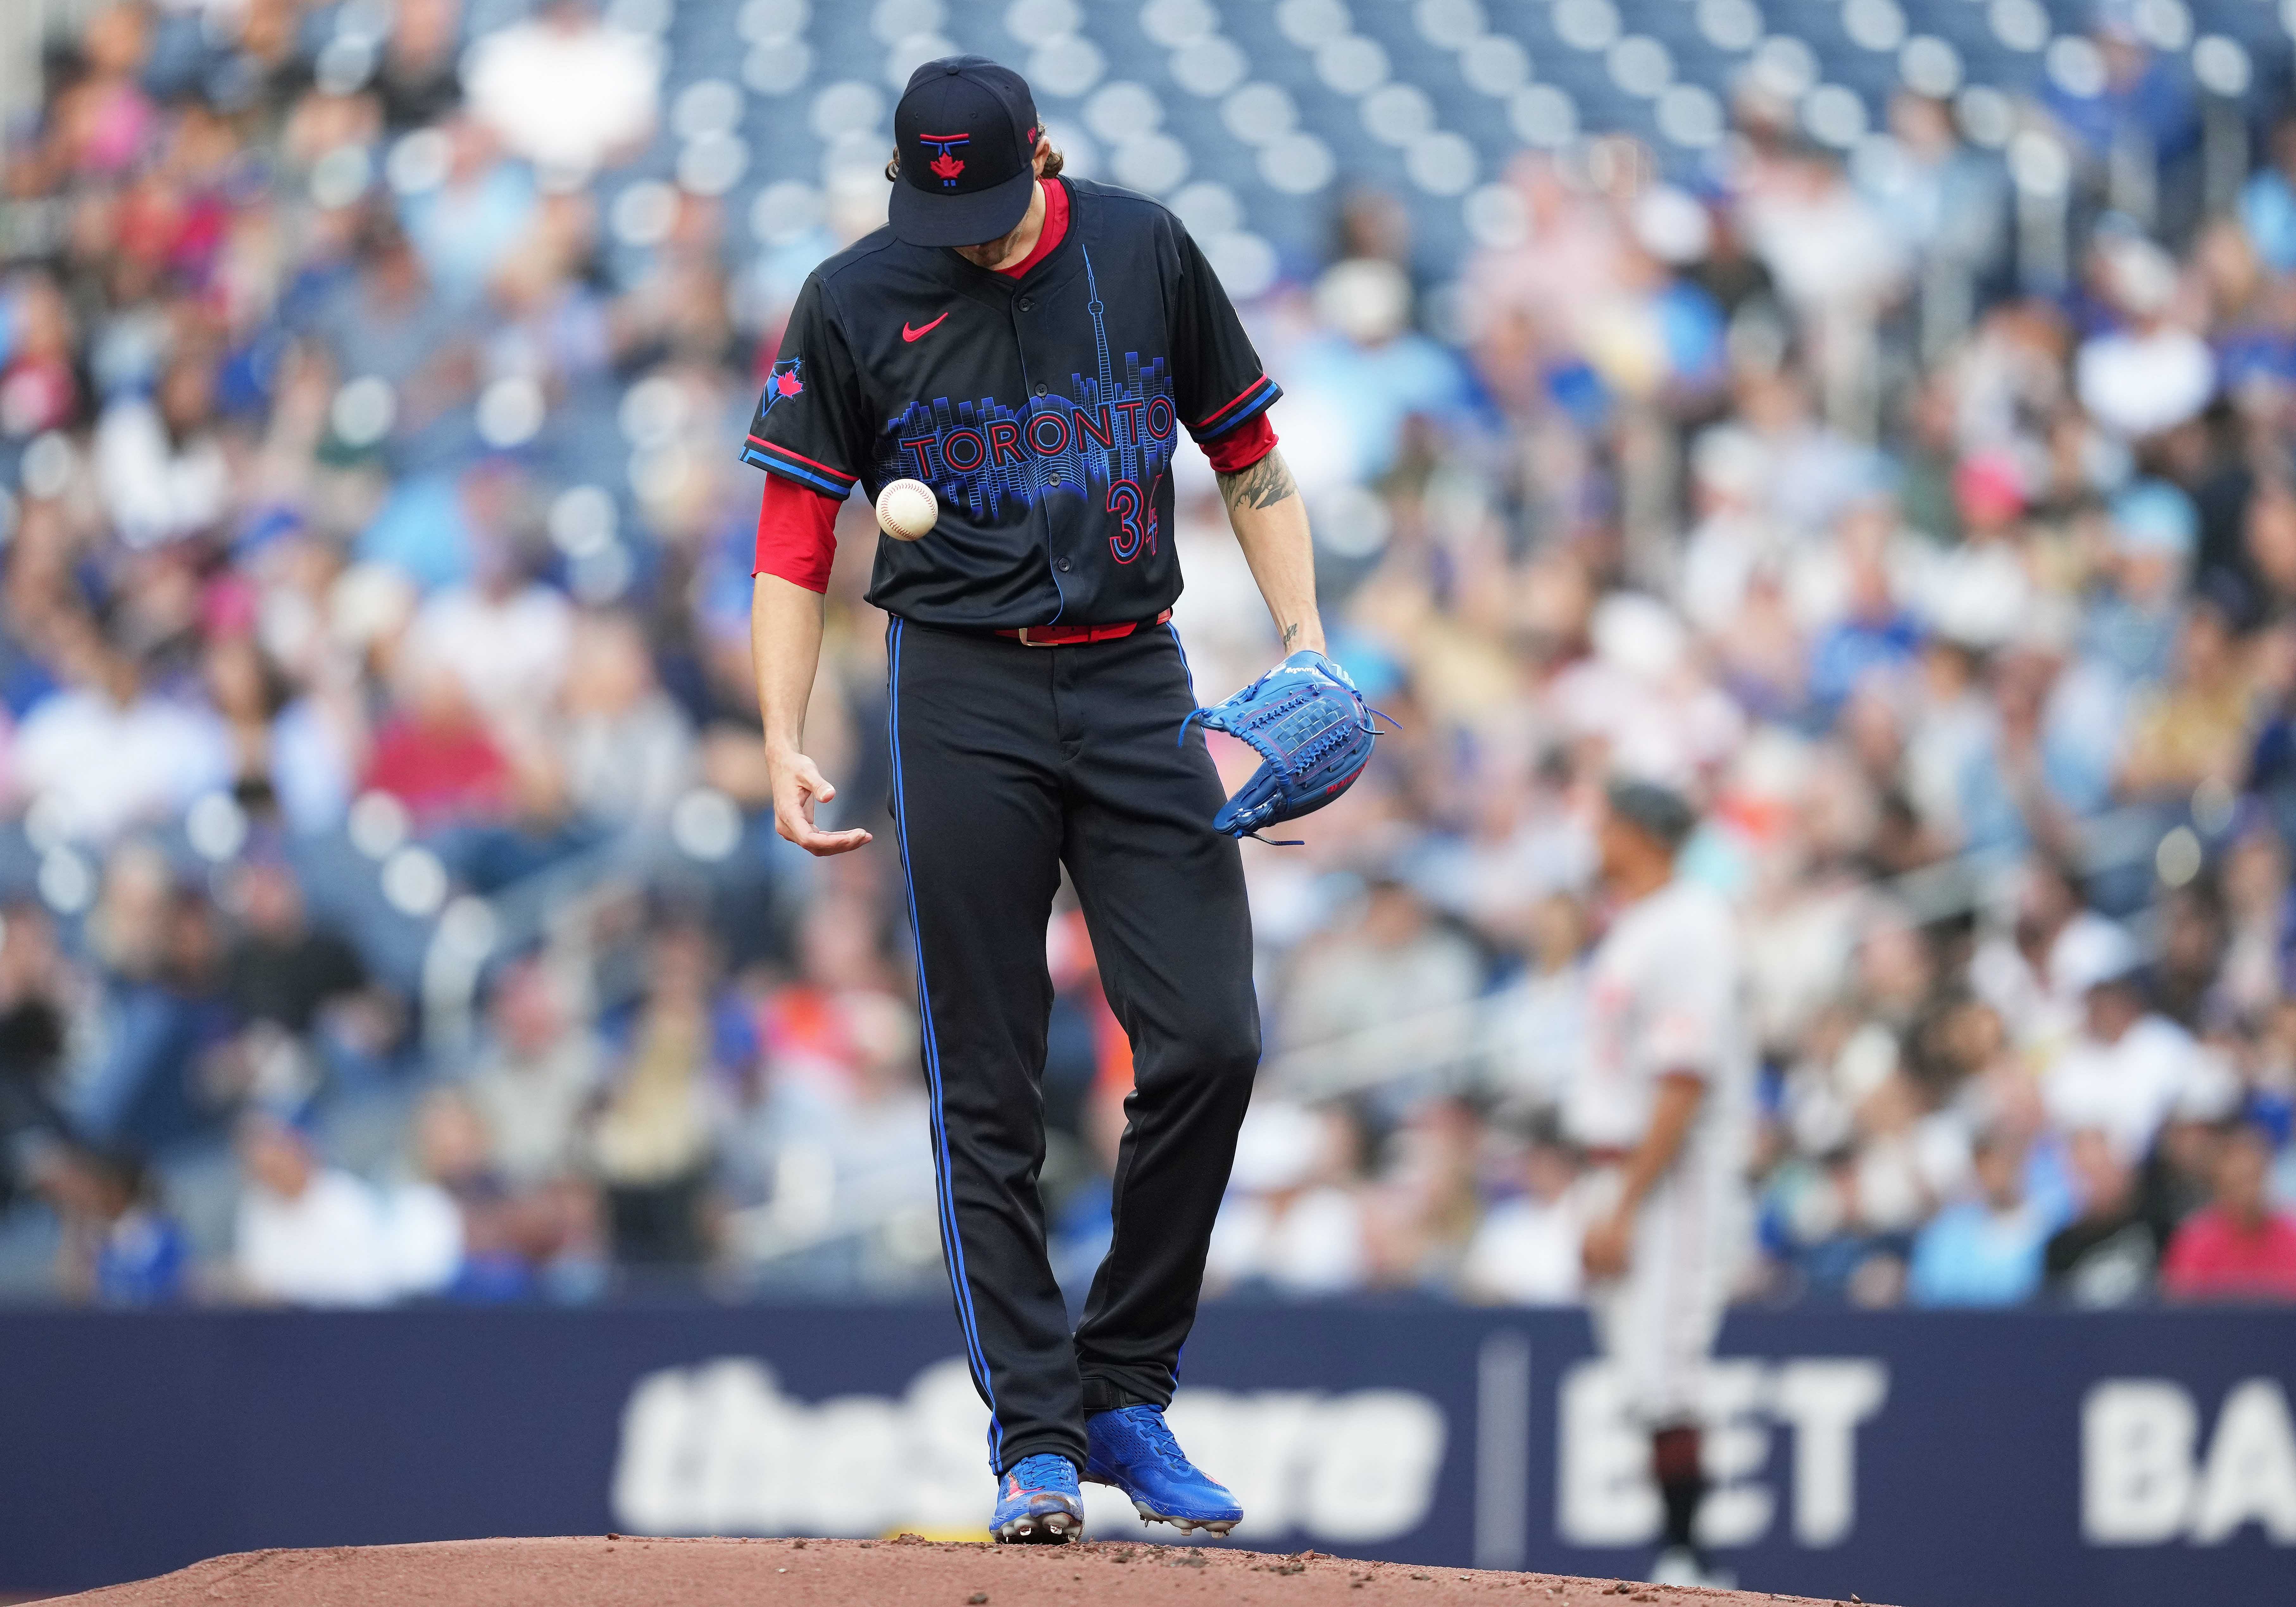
2023, 1459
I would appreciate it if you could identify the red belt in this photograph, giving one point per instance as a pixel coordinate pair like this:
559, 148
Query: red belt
1077, 636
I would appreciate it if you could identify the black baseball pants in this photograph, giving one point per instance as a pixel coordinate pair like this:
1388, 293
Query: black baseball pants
1009, 762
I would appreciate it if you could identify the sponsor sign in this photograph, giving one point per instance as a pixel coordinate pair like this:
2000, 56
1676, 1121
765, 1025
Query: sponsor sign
2022, 1459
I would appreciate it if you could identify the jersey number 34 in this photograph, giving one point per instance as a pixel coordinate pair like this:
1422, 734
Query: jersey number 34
1135, 519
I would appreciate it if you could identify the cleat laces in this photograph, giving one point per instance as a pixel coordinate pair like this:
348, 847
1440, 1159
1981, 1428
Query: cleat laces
1033, 1475
1158, 1434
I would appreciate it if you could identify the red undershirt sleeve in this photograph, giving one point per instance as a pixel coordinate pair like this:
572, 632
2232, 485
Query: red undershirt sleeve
1241, 446
797, 534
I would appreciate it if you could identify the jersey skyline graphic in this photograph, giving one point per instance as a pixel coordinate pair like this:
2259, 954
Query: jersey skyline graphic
985, 454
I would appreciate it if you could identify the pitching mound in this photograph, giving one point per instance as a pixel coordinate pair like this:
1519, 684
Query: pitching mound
619, 1572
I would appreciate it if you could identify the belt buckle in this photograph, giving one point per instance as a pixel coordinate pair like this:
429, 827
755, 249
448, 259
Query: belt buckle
1026, 641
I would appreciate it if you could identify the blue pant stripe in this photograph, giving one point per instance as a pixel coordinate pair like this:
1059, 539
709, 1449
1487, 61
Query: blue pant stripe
1184, 667
946, 1189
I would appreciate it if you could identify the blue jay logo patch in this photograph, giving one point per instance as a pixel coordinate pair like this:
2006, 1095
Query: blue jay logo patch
783, 381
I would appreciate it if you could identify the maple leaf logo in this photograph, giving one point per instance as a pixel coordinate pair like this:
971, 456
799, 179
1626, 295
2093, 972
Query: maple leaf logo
781, 384
947, 167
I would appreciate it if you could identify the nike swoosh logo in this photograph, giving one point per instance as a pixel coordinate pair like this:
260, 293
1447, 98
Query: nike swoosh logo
911, 334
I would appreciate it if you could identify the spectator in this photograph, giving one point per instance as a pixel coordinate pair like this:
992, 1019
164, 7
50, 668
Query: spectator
653, 1140
2033, 973
419, 79
536, 828
1875, 637
106, 751
33, 1022
1293, 1222
437, 1225
2179, 1178
2107, 1254
1943, 197
120, 1248
161, 460
2267, 204
563, 91
534, 1084
1984, 1251
506, 638
248, 694
2150, 374
1980, 593
2142, 101
465, 227
1734, 540
389, 325
437, 756
2255, 887
167, 1066
2239, 1247
2193, 942
284, 970
844, 1187
803, 1025
1835, 260
628, 749
1392, 963
2131, 626
1525, 1251
1540, 1021
1370, 373
2048, 761
2128, 1068
1426, 1201
2193, 731
307, 1234
39, 384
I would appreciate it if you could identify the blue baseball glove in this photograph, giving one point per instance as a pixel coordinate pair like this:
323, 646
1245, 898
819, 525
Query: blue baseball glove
1313, 732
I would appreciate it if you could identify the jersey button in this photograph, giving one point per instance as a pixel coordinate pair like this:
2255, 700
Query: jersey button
1062, 566
1040, 391
1026, 304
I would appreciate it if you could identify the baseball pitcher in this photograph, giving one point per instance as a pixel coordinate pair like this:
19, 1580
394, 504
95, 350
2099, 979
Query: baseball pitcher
1029, 347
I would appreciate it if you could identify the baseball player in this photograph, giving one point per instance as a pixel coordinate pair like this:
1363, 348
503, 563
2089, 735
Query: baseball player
1030, 347
1661, 1105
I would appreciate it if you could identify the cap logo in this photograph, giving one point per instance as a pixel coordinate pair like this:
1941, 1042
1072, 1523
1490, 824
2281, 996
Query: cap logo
946, 166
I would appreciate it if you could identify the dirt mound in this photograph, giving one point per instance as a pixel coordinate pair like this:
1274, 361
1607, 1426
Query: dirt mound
613, 1570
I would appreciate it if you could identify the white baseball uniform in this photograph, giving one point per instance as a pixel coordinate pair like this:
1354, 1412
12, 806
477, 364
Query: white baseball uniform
1665, 996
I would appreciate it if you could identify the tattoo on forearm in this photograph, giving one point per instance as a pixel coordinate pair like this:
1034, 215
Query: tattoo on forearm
1291, 635
1263, 485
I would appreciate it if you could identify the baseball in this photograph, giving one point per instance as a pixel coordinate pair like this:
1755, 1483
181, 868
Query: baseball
906, 509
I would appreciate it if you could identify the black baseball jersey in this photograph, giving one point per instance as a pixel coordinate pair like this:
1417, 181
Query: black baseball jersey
1043, 411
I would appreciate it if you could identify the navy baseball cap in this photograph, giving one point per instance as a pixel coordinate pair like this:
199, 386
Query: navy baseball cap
966, 132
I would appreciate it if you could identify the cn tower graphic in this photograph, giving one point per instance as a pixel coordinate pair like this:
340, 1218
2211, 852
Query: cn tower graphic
1129, 454
1099, 326
984, 454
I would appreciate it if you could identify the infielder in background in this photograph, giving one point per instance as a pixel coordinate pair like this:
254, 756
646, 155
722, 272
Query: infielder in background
1030, 347
1662, 1106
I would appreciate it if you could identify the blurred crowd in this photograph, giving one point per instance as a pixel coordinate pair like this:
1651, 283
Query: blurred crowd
392, 906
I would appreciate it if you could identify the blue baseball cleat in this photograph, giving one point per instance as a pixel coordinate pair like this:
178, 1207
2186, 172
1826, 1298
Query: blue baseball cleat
1132, 1449
1037, 1503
